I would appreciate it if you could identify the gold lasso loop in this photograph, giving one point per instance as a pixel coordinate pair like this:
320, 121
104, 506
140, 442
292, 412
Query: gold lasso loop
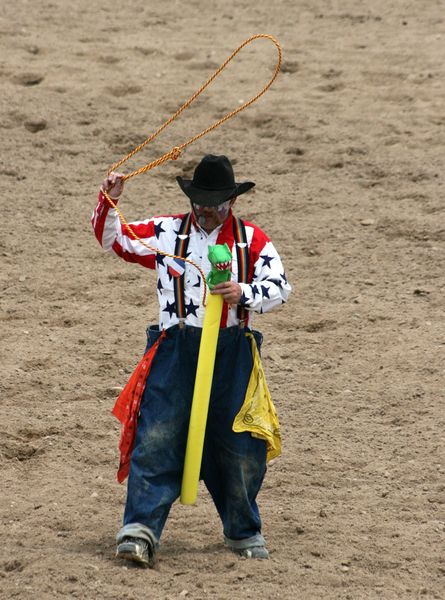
175, 152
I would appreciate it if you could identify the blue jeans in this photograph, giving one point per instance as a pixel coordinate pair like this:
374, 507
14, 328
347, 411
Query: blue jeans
233, 465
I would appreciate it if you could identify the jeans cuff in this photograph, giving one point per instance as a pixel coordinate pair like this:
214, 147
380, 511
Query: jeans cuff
137, 530
250, 542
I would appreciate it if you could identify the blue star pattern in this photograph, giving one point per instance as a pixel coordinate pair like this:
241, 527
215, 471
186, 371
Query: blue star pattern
244, 299
190, 308
170, 308
159, 259
267, 260
255, 291
265, 291
160, 286
158, 229
277, 282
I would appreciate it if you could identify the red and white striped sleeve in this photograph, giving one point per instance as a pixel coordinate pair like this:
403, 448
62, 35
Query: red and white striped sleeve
114, 237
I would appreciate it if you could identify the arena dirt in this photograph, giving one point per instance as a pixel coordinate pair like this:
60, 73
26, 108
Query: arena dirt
347, 153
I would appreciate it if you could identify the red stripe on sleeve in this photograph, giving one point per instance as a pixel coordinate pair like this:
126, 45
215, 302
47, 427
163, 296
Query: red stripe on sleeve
99, 217
147, 260
142, 230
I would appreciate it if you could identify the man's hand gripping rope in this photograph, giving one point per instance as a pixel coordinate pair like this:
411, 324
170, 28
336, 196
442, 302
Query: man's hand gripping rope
112, 187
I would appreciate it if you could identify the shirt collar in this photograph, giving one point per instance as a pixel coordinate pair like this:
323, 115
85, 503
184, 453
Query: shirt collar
221, 228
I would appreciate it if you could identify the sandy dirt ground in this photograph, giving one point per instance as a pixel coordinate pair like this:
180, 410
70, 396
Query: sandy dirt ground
347, 153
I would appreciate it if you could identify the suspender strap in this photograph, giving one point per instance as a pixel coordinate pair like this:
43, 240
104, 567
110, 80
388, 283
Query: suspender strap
182, 242
242, 255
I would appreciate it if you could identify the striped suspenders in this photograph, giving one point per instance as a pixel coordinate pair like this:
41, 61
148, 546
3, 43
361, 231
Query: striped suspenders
182, 242
242, 255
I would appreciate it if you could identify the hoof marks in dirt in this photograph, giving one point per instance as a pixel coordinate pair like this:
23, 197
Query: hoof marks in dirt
356, 151
126, 141
184, 55
30, 433
204, 65
337, 164
35, 125
147, 51
262, 120
410, 231
120, 91
108, 59
290, 67
28, 79
325, 324
331, 87
7, 172
331, 73
12, 565
280, 170
18, 450
359, 19
33, 50
295, 151
19, 447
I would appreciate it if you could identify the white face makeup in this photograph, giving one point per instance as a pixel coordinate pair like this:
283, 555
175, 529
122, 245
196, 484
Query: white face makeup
209, 217
222, 209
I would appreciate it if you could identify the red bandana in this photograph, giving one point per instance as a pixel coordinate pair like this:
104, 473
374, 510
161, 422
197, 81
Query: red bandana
126, 409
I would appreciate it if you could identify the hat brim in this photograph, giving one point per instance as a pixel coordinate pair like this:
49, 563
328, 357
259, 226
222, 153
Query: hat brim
212, 197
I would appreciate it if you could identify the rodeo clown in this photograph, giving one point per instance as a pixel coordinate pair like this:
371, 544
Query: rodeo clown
154, 432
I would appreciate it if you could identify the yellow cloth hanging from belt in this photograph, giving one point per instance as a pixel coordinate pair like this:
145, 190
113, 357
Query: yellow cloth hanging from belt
258, 414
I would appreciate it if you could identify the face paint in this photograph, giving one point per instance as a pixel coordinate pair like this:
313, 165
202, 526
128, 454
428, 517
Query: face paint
209, 217
201, 220
222, 209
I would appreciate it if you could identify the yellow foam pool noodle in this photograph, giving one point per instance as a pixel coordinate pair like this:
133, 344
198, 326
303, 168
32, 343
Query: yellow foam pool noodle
201, 399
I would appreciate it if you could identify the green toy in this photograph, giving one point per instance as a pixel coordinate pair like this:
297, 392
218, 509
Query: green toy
220, 258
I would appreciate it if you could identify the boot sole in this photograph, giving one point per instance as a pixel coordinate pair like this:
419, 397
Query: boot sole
135, 558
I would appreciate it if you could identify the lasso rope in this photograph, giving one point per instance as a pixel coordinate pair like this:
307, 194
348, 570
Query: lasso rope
175, 152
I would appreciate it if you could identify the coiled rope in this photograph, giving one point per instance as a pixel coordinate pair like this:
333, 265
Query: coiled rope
175, 152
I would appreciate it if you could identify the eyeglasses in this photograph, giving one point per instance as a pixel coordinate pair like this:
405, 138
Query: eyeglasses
220, 208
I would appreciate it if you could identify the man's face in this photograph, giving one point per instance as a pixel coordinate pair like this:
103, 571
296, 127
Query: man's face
210, 217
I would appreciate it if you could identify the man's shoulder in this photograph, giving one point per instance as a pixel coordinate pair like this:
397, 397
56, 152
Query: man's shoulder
171, 222
257, 234
177, 217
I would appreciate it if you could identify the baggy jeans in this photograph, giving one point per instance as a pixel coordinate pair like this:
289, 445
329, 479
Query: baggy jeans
233, 465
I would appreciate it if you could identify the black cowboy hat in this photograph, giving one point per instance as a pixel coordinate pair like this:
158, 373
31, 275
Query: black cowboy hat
213, 182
